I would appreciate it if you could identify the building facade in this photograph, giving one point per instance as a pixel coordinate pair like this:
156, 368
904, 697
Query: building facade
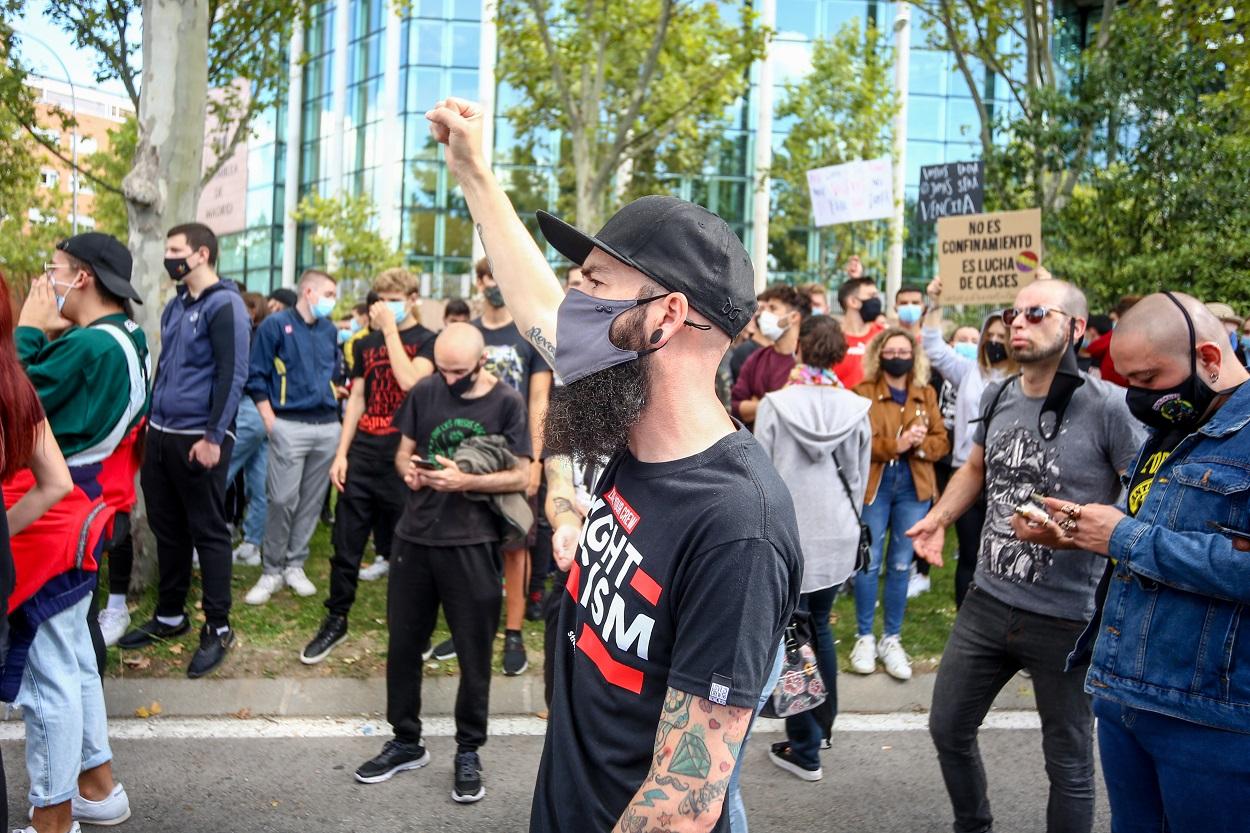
353, 122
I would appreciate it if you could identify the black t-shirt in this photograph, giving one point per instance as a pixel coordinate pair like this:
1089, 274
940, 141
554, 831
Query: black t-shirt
511, 358
371, 364
439, 422
685, 576
1156, 450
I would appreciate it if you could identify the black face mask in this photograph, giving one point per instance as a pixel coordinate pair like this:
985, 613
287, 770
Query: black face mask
462, 385
1180, 407
870, 310
177, 267
995, 352
898, 367
494, 296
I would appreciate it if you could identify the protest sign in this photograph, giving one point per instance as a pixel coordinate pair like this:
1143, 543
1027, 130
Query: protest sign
950, 190
988, 258
860, 190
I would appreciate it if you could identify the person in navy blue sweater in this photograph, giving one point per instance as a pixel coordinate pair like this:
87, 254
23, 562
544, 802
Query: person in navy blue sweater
199, 383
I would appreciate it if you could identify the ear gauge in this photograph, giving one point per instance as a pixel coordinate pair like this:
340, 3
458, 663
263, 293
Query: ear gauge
656, 336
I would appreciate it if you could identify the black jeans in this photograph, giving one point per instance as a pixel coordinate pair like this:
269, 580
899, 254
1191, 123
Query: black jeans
805, 730
988, 645
551, 623
968, 529
186, 506
372, 501
466, 581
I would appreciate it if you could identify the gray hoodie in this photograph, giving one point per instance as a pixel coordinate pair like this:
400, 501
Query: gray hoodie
801, 427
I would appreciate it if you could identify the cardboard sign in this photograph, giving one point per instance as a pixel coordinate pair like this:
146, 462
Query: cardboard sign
223, 200
950, 190
855, 191
988, 258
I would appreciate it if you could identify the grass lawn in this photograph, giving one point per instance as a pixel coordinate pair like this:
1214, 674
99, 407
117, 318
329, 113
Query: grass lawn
271, 636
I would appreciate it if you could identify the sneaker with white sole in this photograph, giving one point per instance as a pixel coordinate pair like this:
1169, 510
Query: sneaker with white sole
73, 828
247, 554
864, 655
918, 584
378, 569
265, 587
894, 658
298, 582
782, 755
113, 624
114, 809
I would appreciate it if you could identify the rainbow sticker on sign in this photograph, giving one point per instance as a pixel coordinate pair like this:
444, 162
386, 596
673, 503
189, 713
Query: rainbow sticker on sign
1026, 261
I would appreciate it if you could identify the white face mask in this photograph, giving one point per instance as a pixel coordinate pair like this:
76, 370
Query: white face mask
770, 325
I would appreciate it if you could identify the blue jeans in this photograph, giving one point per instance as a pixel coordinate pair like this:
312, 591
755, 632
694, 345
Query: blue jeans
1166, 775
734, 808
895, 509
803, 730
62, 702
251, 450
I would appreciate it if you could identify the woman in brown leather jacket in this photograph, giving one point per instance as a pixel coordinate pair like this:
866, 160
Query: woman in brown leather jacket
908, 435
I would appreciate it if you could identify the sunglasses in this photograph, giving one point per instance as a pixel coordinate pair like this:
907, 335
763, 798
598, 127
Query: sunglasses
1033, 315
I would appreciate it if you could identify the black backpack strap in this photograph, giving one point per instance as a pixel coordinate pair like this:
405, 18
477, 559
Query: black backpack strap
846, 485
989, 412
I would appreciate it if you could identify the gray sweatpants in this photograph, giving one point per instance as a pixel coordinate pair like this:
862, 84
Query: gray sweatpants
300, 455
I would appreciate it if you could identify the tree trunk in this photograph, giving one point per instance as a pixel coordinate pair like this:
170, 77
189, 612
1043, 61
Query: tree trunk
163, 186
589, 218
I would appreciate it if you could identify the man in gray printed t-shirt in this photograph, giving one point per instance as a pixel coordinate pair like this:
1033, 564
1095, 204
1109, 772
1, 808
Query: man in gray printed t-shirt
1055, 431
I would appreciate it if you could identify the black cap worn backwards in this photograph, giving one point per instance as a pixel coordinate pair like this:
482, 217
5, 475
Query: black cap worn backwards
108, 259
681, 246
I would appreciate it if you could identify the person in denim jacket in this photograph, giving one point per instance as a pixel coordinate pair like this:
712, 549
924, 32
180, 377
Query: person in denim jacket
1170, 672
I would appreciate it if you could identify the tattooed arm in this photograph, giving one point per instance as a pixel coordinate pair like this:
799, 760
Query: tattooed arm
696, 747
530, 289
562, 511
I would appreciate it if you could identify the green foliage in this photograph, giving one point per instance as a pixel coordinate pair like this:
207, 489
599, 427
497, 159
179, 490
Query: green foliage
624, 81
112, 165
345, 235
841, 112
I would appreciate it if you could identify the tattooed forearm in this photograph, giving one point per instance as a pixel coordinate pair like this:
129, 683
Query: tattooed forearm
562, 505
545, 345
482, 236
697, 802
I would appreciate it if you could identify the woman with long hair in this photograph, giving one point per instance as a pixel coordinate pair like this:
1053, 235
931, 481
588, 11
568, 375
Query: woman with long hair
908, 436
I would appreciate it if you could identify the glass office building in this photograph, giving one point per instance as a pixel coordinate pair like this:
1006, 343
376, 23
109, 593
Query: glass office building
353, 122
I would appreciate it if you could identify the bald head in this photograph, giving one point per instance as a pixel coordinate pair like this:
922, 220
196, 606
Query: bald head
459, 348
1055, 293
1151, 345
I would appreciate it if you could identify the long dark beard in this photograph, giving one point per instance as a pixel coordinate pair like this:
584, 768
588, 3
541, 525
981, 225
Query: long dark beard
591, 418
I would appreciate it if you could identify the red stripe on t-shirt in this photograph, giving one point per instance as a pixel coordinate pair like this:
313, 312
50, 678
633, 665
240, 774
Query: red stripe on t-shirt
646, 586
573, 585
618, 674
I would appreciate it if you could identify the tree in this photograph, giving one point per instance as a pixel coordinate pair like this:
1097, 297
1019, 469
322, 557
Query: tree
345, 235
841, 111
621, 80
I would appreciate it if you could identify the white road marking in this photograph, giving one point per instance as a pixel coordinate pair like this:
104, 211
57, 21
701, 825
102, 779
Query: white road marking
259, 728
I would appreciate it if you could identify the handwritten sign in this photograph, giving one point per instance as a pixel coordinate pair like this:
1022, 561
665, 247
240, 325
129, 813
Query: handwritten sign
854, 191
988, 258
950, 190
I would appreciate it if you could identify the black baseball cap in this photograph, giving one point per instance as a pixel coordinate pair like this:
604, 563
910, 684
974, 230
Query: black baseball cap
681, 246
108, 259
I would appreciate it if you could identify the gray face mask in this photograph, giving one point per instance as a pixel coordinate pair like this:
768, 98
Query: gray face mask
584, 335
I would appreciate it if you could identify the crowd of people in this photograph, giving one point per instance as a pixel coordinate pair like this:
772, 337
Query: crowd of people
663, 467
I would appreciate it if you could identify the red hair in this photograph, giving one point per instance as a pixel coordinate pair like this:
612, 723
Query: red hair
20, 413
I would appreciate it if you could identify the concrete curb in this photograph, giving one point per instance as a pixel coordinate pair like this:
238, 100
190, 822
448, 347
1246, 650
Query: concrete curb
326, 697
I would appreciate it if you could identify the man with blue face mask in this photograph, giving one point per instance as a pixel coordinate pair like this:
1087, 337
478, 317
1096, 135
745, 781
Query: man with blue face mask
291, 379
689, 564
396, 354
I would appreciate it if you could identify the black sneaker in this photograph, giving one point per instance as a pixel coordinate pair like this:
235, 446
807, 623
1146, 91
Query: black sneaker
333, 631
444, 650
153, 631
212, 650
514, 659
534, 607
396, 756
468, 787
783, 756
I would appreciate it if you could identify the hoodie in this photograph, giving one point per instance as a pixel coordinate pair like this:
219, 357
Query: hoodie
970, 381
801, 427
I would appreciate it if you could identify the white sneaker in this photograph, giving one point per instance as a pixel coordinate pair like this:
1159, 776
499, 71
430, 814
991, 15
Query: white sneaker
864, 655
73, 828
113, 810
268, 584
297, 581
195, 559
247, 553
894, 658
113, 624
918, 583
378, 569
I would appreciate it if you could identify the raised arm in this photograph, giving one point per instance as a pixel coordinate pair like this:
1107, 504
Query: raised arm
697, 744
530, 289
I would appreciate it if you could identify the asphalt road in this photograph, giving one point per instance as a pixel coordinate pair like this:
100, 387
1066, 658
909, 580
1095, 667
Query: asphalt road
875, 782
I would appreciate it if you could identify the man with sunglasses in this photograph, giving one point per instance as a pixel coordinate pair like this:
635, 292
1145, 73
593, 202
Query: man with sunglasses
1050, 430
